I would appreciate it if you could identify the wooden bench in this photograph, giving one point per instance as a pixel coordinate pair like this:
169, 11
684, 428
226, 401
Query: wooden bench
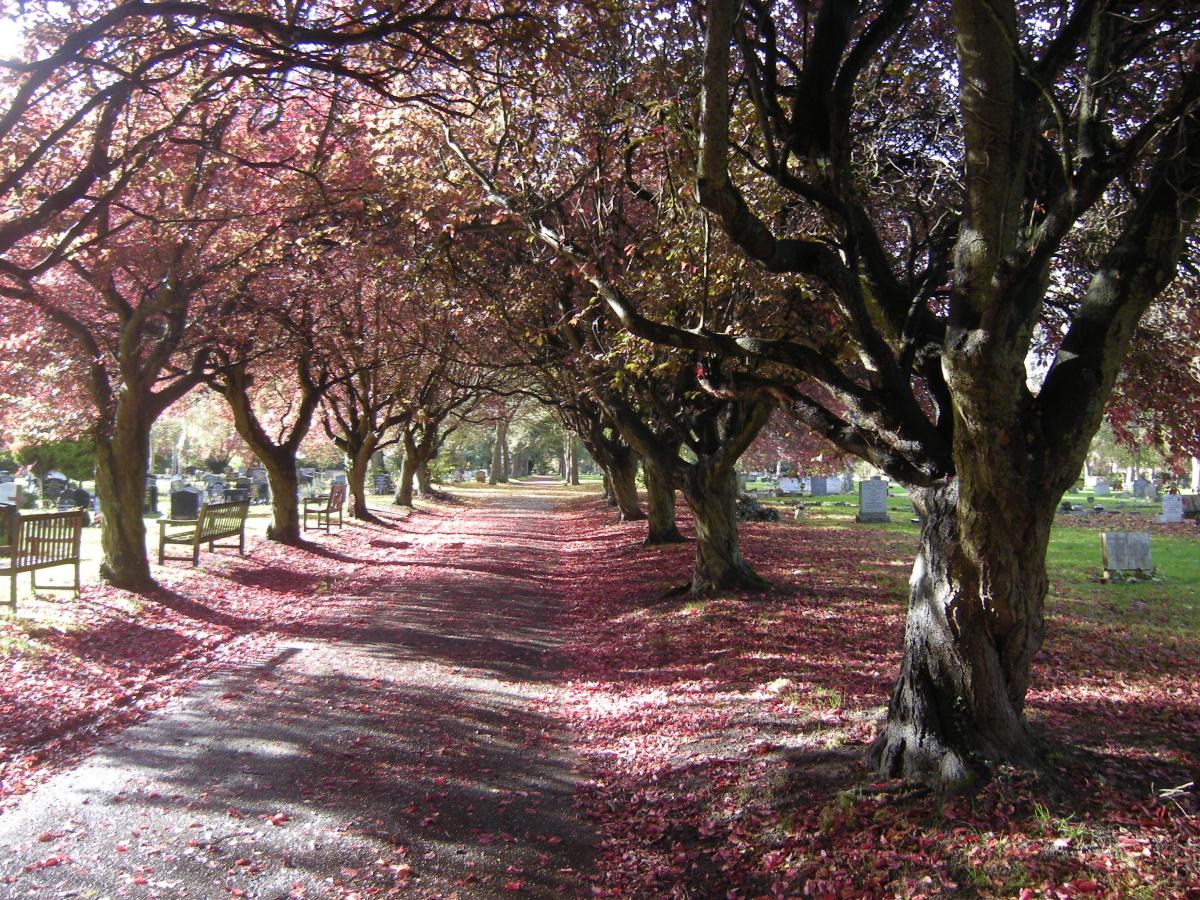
214, 522
39, 541
324, 507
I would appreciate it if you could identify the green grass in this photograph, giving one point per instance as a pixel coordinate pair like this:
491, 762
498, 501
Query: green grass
1168, 604
1171, 601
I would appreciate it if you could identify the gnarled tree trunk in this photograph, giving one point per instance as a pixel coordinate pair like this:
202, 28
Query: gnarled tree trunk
974, 625
121, 487
424, 482
356, 477
285, 507
711, 492
622, 476
660, 502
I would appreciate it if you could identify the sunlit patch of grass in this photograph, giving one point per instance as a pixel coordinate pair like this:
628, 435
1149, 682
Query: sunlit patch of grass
13, 645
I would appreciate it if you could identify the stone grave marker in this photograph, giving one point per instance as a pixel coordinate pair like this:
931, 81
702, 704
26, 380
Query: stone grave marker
872, 501
1125, 552
1142, 488
1102, 488
789, 485
1172, 508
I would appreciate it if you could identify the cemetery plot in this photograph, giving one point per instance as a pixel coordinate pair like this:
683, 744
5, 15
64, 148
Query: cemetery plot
872, 501
1124, 553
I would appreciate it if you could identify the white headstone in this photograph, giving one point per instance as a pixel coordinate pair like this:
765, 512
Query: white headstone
1172, 508
872, 501
1125, 551
1101, 488
8, 493
1142, 488
789, 485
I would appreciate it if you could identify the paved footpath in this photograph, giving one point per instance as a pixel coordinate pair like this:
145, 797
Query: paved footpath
401, 748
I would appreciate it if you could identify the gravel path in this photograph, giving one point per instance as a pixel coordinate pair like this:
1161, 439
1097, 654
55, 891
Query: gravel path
399, 748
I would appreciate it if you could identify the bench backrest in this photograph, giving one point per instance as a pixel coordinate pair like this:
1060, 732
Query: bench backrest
221, 518
337, 496
47, 537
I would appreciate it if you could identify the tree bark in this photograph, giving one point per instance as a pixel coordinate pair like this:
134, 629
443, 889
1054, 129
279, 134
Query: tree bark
285, 508
660, 503
711, 492
424, 483
356, 476
121, 487
974, 626
622, 476
404, 485
573, 465
496, 475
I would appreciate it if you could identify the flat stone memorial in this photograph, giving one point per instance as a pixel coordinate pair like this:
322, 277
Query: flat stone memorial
872, 501
1125, 552
1172, 508
789, 485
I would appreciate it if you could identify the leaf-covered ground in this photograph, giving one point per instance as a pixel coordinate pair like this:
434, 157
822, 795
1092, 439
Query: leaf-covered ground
724, 737
720, 741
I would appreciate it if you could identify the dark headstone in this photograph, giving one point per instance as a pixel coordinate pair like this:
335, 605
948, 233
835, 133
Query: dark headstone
185, 502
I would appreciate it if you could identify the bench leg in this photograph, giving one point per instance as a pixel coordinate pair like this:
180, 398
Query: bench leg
195, 555
242, 542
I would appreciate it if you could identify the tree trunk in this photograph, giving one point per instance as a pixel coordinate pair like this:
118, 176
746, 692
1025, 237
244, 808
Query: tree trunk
404, 486
660, 502
623, 480
606, 486
974, 625
505, 461
121, 488
573, 465
497, 454
285, 507
424, 484
356, 478
711, 492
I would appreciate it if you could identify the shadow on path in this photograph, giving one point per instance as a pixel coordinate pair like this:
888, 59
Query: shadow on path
397, 741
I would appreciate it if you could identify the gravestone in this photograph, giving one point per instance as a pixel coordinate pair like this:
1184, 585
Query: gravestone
872, 501
384, 484
480, 475
10, 492
817, 486
789, 485
1101, 488
150, 499
1191, 506
1142, 488
185, 502
1172, 508
1125, 552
